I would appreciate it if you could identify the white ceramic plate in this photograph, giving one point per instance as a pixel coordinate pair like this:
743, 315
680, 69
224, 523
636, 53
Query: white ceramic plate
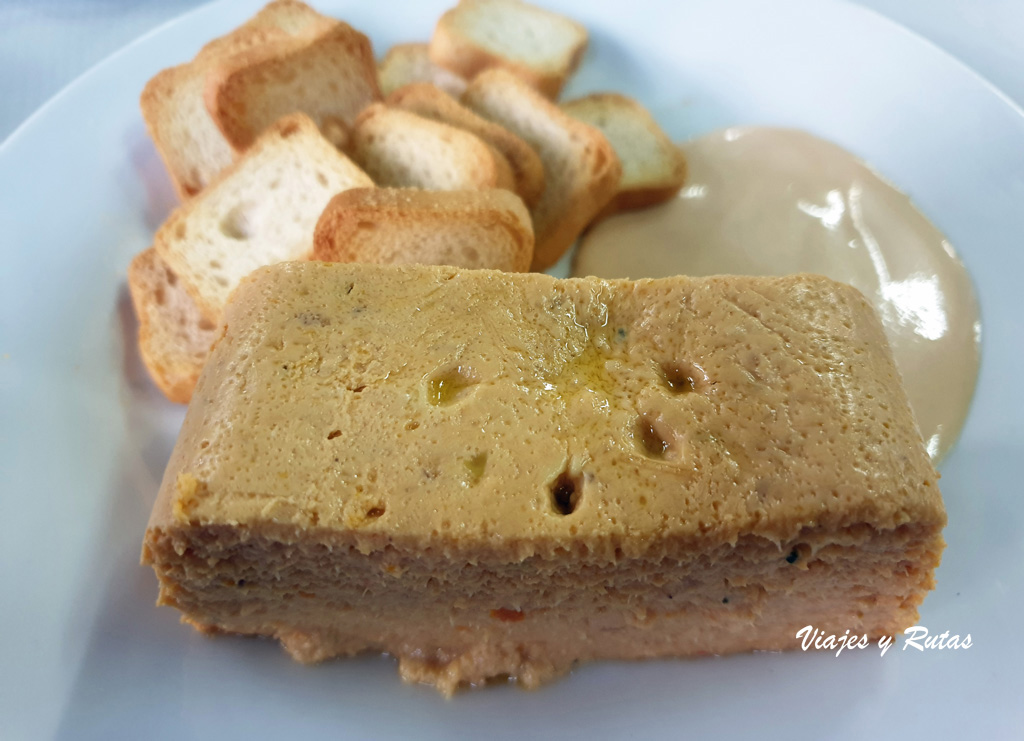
84, 436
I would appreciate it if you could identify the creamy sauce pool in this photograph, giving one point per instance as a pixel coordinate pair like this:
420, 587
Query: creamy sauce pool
767, 201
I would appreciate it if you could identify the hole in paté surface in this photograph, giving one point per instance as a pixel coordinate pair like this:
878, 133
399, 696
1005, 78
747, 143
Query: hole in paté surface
650, 438
682, 378
476, 467
448, 386
566, 492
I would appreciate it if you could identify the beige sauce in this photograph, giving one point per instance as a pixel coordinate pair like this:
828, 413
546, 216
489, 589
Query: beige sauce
765, 201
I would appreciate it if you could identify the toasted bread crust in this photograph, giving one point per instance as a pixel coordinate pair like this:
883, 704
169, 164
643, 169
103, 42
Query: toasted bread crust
405, 64
175, 244
190, 144
638, 187
453, 48
174, 337
581, 169
276, 20
452, 159
471, 229
431, 102
155, 113
247, 92
640, 198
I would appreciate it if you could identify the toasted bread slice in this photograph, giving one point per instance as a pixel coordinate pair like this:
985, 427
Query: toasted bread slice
462, 228
541, 47
330, 77
653, 168
191, 145
262, 210
174, 337
430, 101
286, 17
581, 170
187, 139
399, 149
408, 63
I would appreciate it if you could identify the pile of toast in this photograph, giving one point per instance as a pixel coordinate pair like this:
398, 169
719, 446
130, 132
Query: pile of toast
286, 140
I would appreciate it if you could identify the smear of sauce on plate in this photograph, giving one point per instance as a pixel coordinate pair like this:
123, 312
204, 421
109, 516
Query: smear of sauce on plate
768, 201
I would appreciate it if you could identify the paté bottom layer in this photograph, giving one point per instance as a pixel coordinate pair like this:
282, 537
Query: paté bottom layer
545, 646
534, 620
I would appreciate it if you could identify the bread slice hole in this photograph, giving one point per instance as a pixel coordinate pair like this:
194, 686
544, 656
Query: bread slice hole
237, 223
566, 492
